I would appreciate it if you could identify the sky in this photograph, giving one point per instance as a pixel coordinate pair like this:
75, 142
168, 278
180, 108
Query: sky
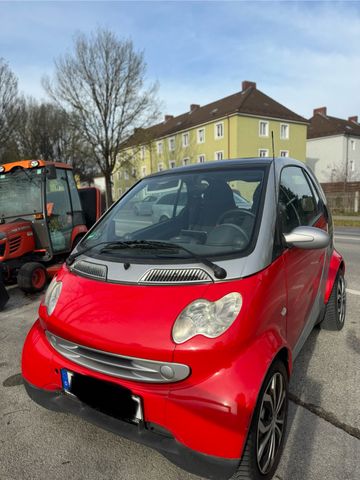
302, 54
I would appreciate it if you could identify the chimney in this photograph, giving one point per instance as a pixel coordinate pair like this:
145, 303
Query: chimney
168, 117
246, 84
320, 111
193, 107
353, 119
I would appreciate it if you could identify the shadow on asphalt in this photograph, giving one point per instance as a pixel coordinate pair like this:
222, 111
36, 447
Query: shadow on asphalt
302, 384
19, 299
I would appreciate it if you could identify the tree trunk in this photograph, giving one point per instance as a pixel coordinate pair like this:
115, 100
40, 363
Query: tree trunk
108, 190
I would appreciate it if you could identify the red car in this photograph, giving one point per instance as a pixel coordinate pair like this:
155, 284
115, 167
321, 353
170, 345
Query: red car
181, 334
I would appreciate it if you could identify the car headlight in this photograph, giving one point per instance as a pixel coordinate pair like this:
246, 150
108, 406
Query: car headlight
52, 295
210, 319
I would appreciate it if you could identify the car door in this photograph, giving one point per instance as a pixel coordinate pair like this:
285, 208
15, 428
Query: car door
58, 212
299, 205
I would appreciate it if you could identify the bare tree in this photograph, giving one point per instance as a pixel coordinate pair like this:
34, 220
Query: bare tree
103, 81
9, 106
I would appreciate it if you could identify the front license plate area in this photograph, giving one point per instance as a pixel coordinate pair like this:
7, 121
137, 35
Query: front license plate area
106, 397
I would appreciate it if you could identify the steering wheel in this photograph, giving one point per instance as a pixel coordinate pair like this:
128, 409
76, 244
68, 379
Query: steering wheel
217, 232
234, 211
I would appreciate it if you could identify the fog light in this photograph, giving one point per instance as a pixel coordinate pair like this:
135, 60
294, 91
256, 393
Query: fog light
167, 372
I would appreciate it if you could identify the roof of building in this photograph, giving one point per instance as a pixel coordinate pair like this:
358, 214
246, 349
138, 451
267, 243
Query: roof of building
250, 101
323, 125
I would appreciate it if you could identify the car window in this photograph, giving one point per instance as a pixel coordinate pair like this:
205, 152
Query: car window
167, 199
297, 204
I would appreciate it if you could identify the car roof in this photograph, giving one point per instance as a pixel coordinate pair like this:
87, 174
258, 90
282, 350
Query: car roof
228, 164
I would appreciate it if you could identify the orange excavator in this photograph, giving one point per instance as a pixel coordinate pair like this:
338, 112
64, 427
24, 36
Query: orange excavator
43, 215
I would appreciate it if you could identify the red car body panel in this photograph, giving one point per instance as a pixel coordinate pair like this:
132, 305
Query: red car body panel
336, 263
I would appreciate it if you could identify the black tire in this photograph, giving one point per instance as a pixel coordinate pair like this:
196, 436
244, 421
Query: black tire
32, 277
335, 313
251, 467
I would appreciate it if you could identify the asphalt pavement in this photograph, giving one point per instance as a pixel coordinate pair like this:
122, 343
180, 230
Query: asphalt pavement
323, 440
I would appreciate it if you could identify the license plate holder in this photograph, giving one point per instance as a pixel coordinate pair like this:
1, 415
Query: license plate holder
107, 397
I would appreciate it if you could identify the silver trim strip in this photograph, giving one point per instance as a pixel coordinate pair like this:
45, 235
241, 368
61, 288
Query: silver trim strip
119, 366
175, 275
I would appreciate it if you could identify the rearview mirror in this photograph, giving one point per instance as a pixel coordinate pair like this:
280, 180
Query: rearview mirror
307, 238
51, 172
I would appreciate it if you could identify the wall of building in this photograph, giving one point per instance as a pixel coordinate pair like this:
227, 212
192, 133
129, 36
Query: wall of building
240, 139
250, 142
334, 158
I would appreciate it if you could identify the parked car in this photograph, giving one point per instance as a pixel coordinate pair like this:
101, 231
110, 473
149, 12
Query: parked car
182, 334
162, 209
144, 207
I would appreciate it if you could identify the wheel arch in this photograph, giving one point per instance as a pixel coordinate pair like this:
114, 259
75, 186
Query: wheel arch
278, 351
337, 264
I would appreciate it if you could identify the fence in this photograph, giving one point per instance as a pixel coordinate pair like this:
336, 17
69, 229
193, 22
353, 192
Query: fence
344, 202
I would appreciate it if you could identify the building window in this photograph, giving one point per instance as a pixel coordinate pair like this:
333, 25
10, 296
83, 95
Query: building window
143, 171
201, 159
186, 161
142, 153
159, 148
264, 152
219, 130
219, 155
126, 175
201, 135
160, 167
263, 128
171, 144
172, 164
352, 166
284, 131
185, 139
352, 143
283, 153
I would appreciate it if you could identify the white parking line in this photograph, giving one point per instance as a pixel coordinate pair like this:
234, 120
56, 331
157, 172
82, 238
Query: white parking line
343, 237
354, 292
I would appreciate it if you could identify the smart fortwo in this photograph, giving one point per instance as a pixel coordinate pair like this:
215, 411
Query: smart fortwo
181, 334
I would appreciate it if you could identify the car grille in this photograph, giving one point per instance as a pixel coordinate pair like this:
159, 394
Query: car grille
14, 244
119, 366
90, 269
178, 275
2, 249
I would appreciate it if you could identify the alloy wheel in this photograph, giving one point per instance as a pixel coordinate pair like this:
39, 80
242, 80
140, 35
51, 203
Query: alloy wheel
341, 299
271, 423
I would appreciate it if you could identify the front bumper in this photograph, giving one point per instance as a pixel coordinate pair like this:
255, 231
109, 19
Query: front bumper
145, 433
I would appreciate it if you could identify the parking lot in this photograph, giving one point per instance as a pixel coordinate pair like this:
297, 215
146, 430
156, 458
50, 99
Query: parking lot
324, 424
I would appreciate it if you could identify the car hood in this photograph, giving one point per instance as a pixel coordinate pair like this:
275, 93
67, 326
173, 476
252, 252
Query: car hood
133, 320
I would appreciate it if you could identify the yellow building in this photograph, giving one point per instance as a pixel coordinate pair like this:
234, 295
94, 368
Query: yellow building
234, 127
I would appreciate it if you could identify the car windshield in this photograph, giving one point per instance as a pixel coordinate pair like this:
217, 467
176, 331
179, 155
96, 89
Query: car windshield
20, 192
209, 212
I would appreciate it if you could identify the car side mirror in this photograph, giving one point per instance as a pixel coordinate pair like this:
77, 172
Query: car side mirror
307, 238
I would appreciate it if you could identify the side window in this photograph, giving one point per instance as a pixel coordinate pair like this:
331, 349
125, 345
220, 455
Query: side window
75, 199
297, 203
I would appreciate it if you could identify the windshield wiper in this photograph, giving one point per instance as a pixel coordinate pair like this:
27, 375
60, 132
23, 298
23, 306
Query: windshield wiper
219, 272
72, 256
29, 177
